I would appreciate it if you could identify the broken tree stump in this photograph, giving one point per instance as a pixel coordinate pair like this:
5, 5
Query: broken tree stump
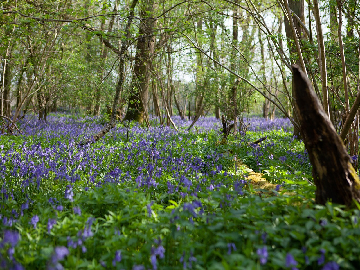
334, 176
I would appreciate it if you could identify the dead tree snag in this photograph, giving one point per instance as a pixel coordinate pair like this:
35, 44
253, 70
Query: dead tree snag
334, 176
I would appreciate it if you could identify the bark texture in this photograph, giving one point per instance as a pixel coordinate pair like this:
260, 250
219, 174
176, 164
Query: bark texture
137, 108
334, 175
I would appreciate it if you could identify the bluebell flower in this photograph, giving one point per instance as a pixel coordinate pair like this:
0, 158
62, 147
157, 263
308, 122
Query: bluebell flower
87, 230
321, 260
323, 222
24, 206
59, 208
117, 257
263, 254
182, 260
191, 259
148, 206
153, 261
11, 237
77, 210
34, 220
331, 266
290, 261
59, 254
69, 194
50, 224
231, 246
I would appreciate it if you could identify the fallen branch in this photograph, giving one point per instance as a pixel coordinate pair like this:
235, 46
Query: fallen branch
258, 141
12, 123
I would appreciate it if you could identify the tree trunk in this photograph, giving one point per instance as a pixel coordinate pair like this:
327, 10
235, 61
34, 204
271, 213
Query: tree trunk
6, 85
104, 53
266, 105
342, 56
124, 47
334, 176
189, 115
177, 104
322, 57
155, 100
137, 109
297, 6
234, 60
40, 102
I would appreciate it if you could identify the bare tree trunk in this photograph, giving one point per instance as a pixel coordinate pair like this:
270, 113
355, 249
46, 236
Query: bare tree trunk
322, 57
189, 110
6, 84
293, 33
342, 55
104, 53
334, 176
177, 104
124, 47
235, 43
40, 103
266, 105
155, 100
137, 109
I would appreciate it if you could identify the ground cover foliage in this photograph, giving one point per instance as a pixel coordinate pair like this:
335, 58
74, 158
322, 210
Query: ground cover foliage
154, 198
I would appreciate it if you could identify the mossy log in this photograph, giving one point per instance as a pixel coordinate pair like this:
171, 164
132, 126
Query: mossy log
334, 176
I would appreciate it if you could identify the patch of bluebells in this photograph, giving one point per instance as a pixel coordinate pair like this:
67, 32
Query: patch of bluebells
153, 152
255, 123
149, 157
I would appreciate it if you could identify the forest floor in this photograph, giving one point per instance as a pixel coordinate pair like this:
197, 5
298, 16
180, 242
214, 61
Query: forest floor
155, 198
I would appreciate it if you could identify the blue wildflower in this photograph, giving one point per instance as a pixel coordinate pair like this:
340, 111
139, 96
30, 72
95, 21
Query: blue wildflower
331, 266
263, 254
117, 257
11, 237
69, 194
34, 221
59, 255
50, 224
231, 246
321, 260
77, 210
290, 261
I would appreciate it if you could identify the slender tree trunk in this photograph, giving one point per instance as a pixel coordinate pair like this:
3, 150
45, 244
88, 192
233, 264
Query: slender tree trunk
293, 34
103, 57
177, 104
235, 39
322, 57
342, 56
266, 105
6, 84
189, 116
156, 100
